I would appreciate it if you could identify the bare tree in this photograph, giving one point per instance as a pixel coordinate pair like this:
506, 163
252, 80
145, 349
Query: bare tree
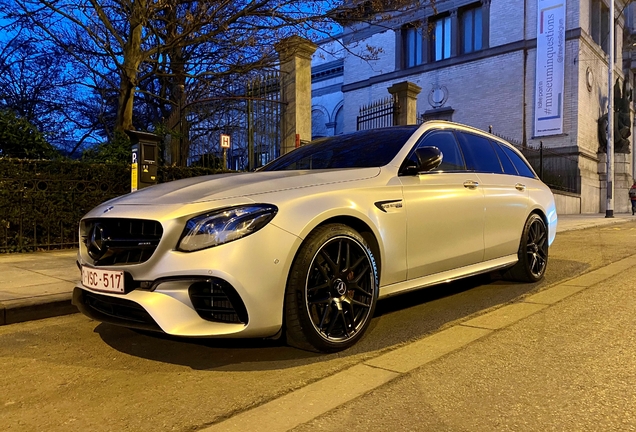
173, 42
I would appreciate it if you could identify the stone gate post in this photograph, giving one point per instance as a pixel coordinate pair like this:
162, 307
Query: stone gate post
295, 67
406, 93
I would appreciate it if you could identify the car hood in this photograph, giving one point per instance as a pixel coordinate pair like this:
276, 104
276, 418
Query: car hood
224, 186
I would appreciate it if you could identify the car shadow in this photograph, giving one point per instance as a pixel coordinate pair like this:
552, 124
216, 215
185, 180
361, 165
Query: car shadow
396, 320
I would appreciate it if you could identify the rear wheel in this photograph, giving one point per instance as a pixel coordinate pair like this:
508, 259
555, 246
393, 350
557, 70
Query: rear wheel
533, 252
332, 290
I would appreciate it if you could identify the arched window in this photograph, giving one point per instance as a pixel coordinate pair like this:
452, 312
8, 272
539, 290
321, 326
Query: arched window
318, 124
339, 129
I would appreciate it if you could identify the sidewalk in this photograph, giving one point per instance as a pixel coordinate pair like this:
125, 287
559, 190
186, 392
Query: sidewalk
39, 285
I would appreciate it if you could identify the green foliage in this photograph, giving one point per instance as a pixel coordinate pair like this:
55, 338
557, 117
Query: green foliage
20, 139
117, 151
170, 173
209, 160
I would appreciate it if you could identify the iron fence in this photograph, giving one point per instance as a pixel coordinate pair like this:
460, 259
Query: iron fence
41, 202
381, 113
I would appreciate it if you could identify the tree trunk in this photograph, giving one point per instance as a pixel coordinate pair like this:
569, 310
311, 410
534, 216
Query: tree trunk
130, 70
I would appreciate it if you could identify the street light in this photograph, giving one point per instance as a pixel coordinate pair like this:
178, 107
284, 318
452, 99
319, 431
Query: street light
609, 209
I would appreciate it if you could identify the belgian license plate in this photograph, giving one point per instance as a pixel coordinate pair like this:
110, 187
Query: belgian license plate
103, 280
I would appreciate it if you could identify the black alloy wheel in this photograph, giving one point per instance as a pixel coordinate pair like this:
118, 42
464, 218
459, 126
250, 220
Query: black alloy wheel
332, 290
537, 248
533, 252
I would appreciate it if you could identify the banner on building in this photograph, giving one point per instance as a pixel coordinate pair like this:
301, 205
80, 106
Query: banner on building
548, 97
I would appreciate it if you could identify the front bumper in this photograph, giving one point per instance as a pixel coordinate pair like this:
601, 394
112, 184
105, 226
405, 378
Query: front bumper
252, 273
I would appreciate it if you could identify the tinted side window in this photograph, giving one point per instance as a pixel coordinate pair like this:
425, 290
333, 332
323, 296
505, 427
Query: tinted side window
479, 154
520, 164
452, 159
368, 148
507, 165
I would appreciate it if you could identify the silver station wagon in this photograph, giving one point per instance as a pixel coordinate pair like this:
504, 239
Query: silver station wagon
304, 247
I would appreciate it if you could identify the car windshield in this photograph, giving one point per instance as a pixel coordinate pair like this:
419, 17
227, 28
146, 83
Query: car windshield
362, 149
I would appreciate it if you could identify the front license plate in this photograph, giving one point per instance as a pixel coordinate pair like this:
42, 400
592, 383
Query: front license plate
103, 280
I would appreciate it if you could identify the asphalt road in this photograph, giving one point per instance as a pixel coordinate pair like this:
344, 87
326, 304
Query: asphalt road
70, 373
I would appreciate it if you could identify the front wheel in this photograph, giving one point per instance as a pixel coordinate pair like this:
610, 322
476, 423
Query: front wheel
533, 252
332, 290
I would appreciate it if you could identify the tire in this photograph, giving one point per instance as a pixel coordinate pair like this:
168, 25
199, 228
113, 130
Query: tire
533, 252
332, 290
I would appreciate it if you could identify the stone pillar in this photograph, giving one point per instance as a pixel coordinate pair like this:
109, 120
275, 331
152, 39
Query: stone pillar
622, 182
406, 93
295, 67
331, 127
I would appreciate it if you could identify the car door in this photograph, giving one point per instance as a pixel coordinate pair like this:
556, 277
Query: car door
506, 196
444, 211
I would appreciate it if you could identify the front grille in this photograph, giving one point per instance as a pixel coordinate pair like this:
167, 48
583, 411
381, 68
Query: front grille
113, 310
216, 300
120, 241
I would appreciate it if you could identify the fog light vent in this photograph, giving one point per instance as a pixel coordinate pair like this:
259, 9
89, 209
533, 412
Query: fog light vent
216, 300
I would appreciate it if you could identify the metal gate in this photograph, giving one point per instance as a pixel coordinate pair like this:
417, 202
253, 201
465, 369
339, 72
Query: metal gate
249, 113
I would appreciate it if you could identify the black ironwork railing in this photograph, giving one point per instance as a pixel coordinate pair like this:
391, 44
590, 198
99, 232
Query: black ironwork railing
41, 202
381, 113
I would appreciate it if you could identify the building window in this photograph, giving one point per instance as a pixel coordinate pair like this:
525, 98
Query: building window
318, 124
471, 30
441, 40
413, 40
599, 30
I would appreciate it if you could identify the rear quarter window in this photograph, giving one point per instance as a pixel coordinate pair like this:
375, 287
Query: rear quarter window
521, 165
506, 163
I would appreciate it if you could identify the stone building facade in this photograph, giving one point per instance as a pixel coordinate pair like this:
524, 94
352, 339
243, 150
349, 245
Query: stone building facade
475, 62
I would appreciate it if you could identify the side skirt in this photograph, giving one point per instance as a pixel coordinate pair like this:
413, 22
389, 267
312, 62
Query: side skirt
448, 276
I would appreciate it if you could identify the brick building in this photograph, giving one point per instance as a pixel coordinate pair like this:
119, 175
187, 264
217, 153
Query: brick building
476, 62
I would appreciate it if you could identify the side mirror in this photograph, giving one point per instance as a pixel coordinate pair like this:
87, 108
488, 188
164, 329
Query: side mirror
423, 159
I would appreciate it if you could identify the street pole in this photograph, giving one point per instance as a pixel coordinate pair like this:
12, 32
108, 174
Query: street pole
609, 211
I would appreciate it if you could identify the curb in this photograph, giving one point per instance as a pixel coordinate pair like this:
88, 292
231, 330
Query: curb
35, 308
593, 224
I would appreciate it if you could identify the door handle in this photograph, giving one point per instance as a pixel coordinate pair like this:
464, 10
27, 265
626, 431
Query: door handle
471, 184
520, 187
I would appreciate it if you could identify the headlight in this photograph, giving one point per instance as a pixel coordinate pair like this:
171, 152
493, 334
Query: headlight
223, 226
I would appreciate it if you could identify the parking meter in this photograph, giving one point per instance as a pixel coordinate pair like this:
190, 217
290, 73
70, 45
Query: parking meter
145, 152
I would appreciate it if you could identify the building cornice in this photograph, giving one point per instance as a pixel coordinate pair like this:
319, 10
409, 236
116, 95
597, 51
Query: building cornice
327, 71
